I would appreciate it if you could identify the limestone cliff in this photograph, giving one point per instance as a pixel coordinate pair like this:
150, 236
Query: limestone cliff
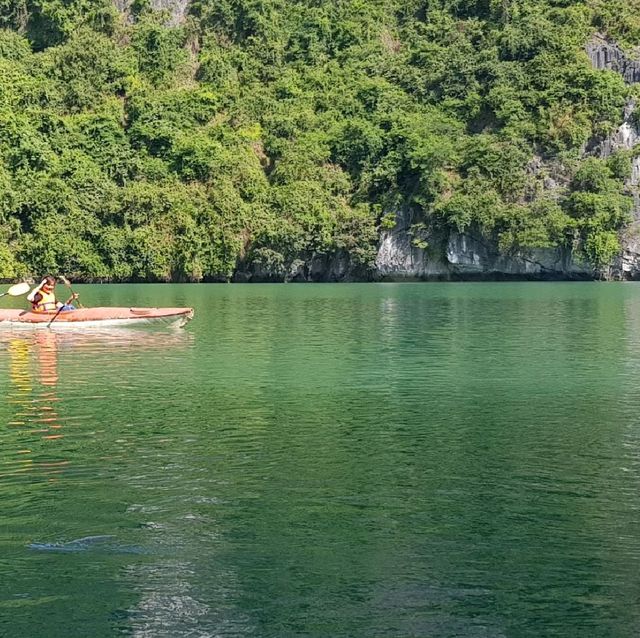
607, 55
470, 256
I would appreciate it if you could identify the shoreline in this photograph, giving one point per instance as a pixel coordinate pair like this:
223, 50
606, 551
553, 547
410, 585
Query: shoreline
382, 280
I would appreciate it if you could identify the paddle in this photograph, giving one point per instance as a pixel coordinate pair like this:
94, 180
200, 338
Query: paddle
17, 290
55, 316
67, 283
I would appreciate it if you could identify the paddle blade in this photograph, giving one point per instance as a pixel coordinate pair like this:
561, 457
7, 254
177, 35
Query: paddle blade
18, 289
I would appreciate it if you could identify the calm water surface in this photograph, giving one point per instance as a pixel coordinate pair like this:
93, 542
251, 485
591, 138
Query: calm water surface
440, 460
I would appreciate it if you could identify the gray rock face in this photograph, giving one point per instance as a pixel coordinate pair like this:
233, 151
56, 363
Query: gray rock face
399, 258
177, 9
627, 266
468, 256
627, 135
320, 267
605, 54
608, 55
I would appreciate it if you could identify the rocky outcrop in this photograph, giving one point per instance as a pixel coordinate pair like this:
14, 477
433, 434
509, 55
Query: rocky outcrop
468, 255
399, 258
607, 55
314, 267
626, 137
176, 9
627, 266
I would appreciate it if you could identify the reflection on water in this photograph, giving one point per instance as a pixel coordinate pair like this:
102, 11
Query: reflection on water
78, 406
34, 375
33, 371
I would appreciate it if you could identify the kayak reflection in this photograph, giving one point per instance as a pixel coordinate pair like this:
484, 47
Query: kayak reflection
46, 371
33, 391
33, 374
106, 337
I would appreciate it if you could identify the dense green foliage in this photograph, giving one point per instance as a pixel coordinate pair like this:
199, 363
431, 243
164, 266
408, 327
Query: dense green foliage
262, 133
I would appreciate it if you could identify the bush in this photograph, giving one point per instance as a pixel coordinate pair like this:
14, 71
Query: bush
270, 133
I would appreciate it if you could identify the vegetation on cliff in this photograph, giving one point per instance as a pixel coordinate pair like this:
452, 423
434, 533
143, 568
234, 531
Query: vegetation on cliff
261, 134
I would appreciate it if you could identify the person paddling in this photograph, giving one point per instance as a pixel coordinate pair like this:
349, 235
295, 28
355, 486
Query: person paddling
43, 297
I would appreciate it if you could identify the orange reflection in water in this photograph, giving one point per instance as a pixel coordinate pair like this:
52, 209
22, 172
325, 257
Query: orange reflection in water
35, 384
47, 356
33, 372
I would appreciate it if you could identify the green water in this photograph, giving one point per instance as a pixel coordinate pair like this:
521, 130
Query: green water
432, 460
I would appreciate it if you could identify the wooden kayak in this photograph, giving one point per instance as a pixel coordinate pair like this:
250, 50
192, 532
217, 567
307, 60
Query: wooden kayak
95, 317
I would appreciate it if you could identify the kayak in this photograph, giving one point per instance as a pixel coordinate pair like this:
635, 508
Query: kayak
96, 317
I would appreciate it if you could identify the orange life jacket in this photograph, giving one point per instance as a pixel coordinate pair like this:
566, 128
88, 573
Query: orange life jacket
46, 302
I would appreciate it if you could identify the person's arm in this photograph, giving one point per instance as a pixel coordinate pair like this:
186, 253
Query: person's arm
73, 297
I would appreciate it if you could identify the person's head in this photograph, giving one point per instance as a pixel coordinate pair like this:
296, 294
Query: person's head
49, 283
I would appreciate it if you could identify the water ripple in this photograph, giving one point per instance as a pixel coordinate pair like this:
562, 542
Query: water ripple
383, 460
